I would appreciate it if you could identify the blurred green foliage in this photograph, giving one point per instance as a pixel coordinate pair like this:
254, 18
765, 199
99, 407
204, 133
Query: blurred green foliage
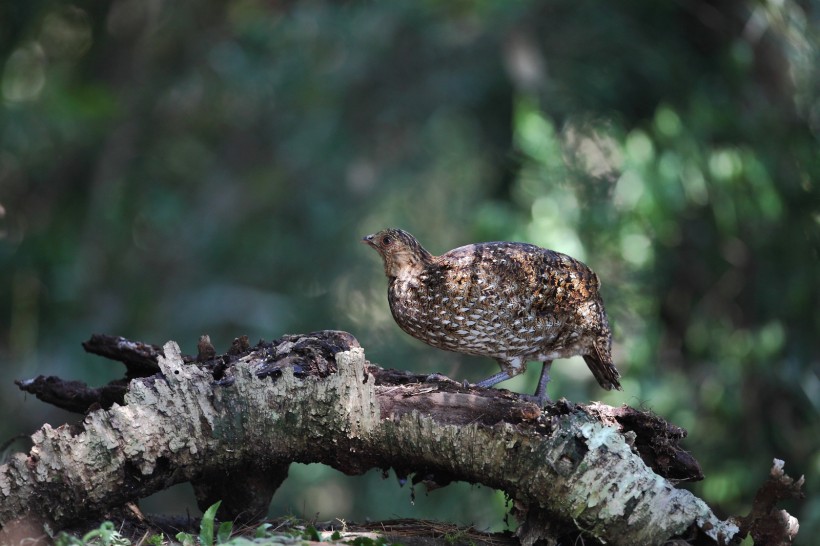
173, 168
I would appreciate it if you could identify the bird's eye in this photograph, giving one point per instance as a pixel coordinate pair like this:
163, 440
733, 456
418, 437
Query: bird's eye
386, 240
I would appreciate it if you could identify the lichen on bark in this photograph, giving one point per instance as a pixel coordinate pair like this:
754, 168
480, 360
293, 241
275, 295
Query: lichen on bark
565, 467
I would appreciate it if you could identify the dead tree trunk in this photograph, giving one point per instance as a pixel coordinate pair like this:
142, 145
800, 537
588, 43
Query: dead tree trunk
243, 417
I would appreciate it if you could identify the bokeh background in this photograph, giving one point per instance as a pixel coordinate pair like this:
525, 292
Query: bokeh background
169, 169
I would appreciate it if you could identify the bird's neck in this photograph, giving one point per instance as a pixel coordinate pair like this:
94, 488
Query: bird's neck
406, 266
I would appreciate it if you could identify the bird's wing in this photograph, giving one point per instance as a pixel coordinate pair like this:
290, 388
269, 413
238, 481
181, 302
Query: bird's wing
517, 270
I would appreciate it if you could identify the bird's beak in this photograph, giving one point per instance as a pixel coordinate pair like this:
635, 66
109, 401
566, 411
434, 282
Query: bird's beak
368, 240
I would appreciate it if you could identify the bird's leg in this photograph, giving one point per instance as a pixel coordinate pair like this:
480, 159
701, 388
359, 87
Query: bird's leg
541, 394
493, 380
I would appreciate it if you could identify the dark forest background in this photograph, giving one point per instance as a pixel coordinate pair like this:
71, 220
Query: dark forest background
169, 169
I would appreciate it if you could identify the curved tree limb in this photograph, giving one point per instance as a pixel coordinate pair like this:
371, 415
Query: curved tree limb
567, 468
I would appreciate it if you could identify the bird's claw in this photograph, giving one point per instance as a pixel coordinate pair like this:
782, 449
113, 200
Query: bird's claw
540, 401
437, 377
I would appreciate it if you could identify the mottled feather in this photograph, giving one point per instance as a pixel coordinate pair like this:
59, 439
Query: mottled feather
513, 302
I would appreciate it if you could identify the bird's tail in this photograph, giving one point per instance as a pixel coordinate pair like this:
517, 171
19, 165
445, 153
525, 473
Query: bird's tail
601, 366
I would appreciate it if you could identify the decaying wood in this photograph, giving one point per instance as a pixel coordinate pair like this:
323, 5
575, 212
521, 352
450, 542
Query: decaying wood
314, 398
765, 523
140, 360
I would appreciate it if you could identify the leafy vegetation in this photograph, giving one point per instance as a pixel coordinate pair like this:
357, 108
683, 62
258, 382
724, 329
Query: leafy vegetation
265, 534
105, 535
209, 534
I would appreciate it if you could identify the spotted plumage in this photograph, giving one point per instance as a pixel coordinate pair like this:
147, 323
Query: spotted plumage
513, 302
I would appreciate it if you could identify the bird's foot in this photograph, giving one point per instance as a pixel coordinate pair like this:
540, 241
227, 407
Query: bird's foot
439, 378
493, 380
542, 397
541, 401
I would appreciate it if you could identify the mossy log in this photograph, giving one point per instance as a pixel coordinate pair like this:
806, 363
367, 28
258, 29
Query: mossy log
235, 422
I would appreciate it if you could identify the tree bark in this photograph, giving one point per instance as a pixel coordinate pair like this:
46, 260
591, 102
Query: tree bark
241, 418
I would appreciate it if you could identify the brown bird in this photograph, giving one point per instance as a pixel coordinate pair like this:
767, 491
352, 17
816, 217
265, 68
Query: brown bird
513, 302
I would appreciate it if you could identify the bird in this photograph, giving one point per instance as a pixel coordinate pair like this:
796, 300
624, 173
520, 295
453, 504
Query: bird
513, 302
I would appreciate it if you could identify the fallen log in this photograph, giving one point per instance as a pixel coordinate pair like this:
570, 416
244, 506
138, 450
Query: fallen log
233, 423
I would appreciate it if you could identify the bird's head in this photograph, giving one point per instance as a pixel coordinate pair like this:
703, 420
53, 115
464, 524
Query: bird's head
401, 252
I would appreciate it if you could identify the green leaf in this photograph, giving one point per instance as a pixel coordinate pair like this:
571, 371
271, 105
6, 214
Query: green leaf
187, 539
311, 534
262, 530
156, 539
64, 539
224, 532
206, 528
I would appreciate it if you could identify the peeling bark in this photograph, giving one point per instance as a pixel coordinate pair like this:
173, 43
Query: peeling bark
765, 523
315, 398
